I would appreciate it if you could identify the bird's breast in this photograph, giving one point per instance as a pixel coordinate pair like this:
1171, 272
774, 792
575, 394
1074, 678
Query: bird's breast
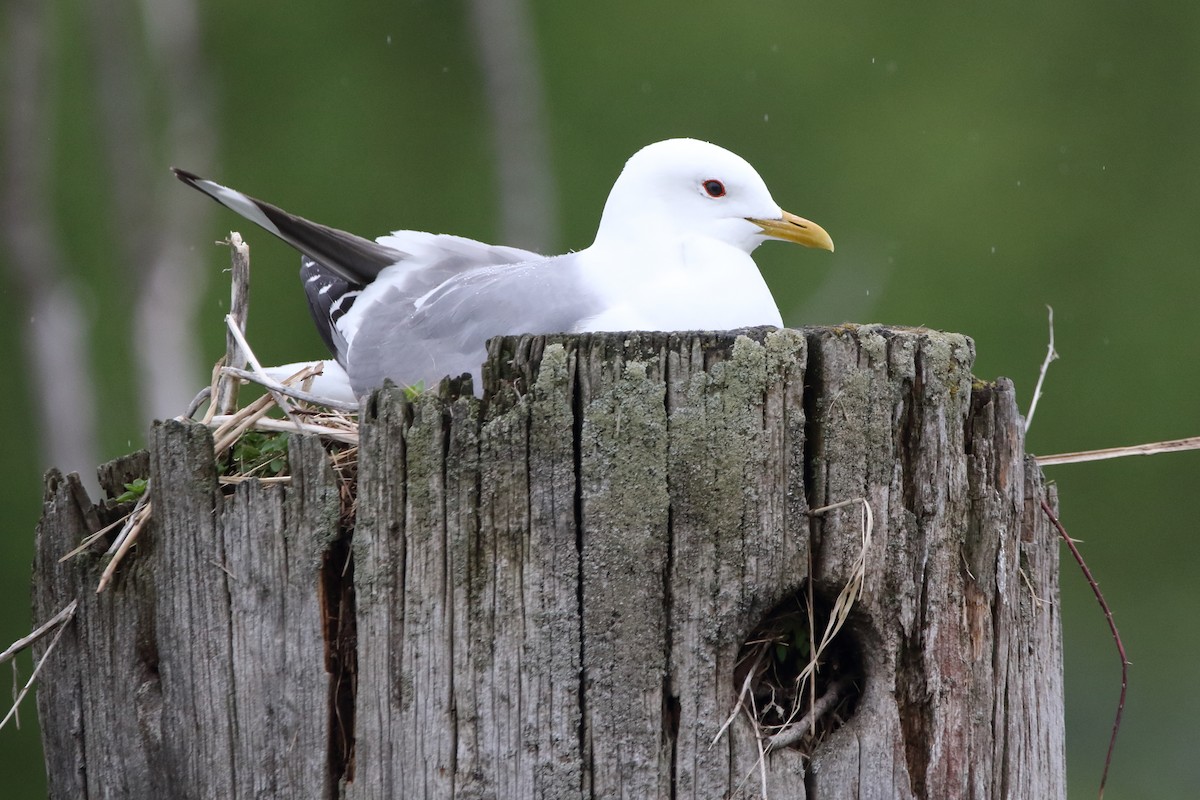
694, 288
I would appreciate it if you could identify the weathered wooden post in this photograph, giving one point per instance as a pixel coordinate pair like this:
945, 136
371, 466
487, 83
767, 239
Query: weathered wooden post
562, 590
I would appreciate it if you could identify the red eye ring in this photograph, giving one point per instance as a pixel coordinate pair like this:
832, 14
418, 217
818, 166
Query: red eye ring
714, 188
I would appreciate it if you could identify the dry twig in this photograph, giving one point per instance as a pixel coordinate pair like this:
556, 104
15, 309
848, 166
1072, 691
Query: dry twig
1112, 626
1051, 355
239, 310
233, 480
280, 400
227, 430
137, 521
794, 728
801, 727
229, 423
308, 397
67, 612
59, 621
92, 537
1154, 448
850, 592
337, 434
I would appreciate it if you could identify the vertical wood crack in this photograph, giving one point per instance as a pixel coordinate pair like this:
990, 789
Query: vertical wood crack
913, 700
671, 707
446, 418
341, 652
814, 391
585, 752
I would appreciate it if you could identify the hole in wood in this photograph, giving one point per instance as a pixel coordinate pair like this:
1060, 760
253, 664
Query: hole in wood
796, 692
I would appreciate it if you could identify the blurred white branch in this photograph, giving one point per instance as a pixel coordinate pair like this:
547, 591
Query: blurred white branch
152, 216
55, 337
135, 48
173, 36
506, 43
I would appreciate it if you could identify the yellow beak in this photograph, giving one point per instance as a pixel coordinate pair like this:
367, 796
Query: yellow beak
791, 228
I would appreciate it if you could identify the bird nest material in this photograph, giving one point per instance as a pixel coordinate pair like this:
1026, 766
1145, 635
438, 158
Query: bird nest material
248, 442
799, 675
794, 699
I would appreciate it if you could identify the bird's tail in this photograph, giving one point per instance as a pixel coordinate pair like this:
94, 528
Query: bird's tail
353, 258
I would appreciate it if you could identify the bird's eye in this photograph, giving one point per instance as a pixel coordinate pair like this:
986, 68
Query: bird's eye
714, 188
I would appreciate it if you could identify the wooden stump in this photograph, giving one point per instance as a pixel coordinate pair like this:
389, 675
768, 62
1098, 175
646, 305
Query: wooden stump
548, 593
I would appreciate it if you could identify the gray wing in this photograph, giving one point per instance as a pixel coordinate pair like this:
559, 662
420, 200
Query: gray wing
426, 261
447, 332
337, 266
431, 259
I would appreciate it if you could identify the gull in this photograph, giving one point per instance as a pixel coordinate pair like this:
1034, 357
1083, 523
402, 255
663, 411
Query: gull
672, 252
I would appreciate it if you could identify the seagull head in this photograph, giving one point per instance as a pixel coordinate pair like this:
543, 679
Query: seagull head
686, 188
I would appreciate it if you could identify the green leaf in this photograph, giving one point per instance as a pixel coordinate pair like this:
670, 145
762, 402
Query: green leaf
258, 452
133, 491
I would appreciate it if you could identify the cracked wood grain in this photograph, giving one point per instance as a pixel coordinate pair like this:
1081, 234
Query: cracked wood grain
546, 590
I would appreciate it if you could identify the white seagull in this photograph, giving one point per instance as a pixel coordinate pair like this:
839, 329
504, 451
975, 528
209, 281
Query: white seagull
672, 252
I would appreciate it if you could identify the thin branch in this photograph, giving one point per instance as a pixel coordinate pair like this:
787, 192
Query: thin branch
239, 309
16, 647
308, 397
762, 750
138, 523
269, 424
1154, 448
63, 618
747, 704
233, 480
846, 598
280, 400
88, 540
229, 429
209, 393
801, 727
203, 396
130, 520
1112, 626
741, 698
1051, 355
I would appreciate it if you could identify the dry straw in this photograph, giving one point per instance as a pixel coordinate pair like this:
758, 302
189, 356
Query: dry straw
332, 420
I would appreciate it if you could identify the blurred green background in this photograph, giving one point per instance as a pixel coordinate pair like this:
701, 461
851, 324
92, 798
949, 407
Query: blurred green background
973, 161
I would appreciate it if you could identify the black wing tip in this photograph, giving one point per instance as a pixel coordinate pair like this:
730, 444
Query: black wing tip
190, 178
